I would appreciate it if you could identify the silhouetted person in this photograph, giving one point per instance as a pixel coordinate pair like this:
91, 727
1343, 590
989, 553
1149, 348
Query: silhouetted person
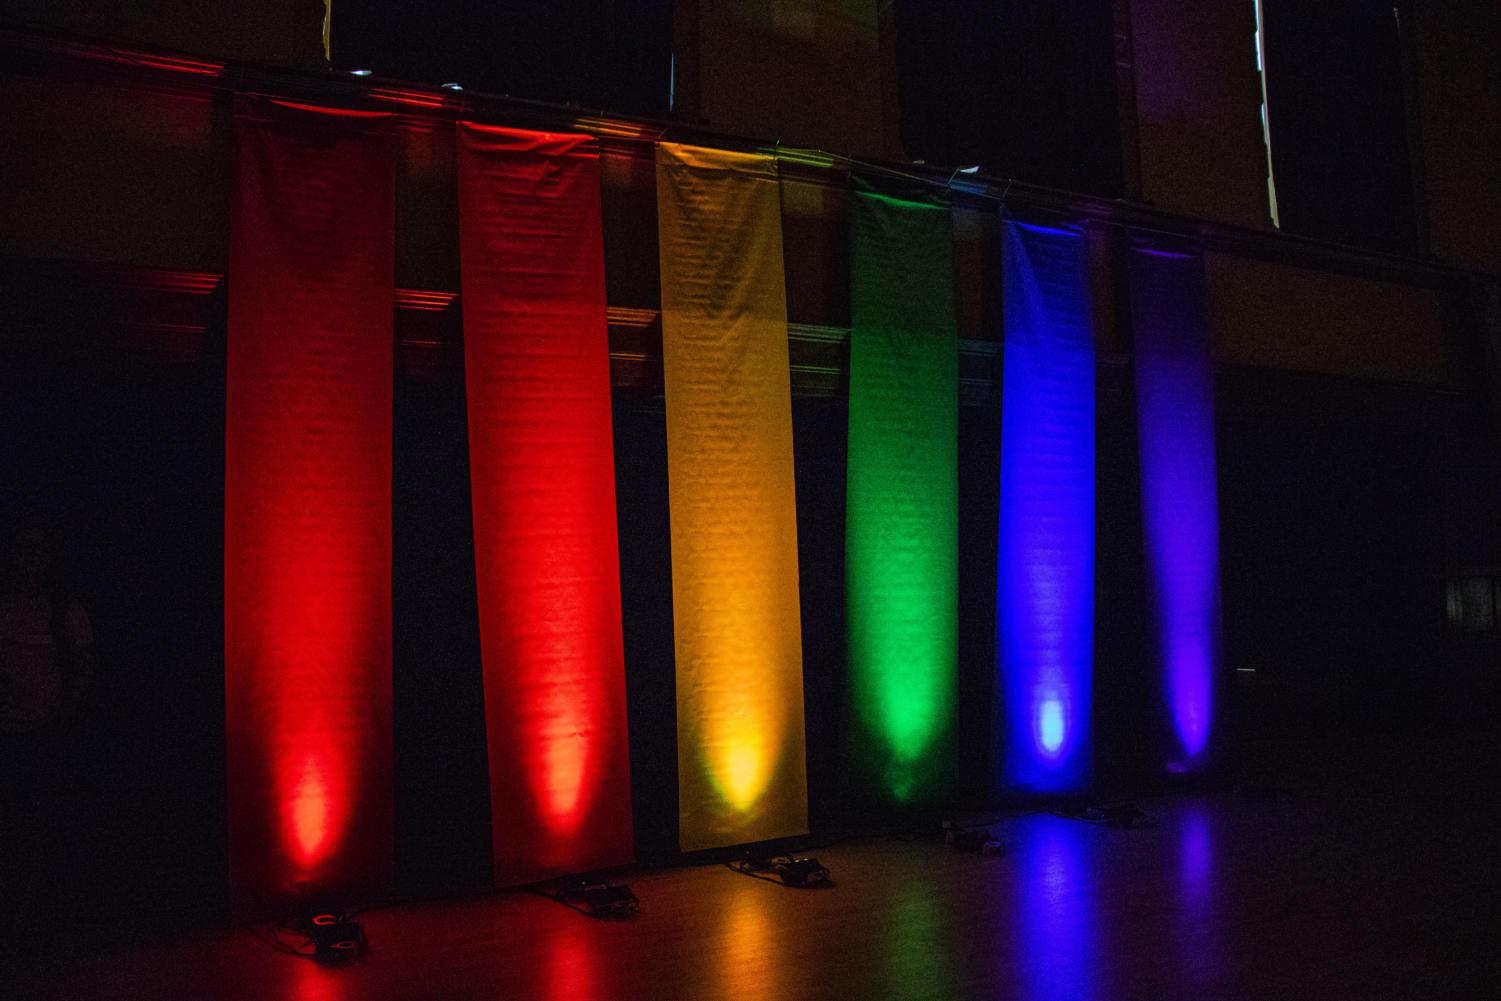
46, 663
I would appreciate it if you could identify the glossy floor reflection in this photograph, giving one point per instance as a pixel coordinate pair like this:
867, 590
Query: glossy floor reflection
1058, 940
1363, 886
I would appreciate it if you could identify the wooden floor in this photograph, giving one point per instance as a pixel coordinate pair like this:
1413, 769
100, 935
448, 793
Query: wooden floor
1379, 880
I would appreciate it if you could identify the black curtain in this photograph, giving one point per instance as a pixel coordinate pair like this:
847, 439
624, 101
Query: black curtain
609, 54
1024, 88
123, 462
438, 700
1332, 567
1335, 102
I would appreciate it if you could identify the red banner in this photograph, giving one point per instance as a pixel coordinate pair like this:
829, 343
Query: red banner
307, 506
537, 370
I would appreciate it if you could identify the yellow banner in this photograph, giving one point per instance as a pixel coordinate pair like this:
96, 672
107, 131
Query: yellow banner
742, 774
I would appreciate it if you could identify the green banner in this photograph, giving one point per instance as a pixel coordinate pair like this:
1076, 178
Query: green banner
901, 527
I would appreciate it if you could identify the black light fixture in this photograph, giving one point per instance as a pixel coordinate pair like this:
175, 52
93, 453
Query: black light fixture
1115, 815
597, 898
792, 870
336, 938
320, 932
972, 841
801, 871
330, 936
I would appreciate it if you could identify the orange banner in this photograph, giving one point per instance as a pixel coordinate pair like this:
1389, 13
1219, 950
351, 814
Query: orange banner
742, 774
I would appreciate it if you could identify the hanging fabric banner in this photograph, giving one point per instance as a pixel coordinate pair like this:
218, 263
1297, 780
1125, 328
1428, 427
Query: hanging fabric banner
901, 517
542, 468
742, 774
307, 505
1045, 546
1180, 508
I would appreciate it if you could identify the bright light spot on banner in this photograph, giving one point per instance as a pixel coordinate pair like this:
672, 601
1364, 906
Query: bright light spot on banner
745, 774
1050, 726
310, 814
565, 755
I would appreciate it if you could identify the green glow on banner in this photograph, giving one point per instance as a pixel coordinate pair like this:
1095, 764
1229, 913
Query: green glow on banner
901, 522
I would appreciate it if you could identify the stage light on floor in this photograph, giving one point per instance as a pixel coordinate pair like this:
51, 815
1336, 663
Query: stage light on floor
791, 870
1115, 815
597, 898
335, 938
971, 841
331, 937
361, 72
805, 871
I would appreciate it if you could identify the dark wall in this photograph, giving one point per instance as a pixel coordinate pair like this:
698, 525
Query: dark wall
803, 72
1197, 93
1024, 88
125, 464
1385, 130
286, 33
1457, 79
646, 610
1332, 563
1130, 745
612, 54
442, 771
1336, 101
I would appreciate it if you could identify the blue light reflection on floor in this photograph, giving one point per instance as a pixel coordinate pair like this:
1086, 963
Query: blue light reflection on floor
1055, 914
